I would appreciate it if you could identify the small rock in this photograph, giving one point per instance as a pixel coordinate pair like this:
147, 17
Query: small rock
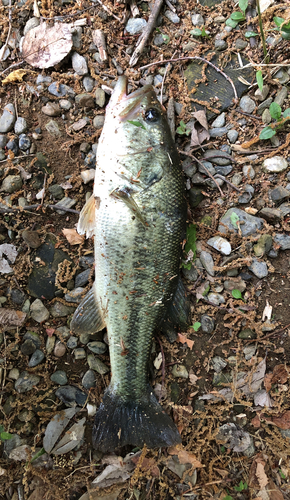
207, 262
247, 194
262, 94
71, 396
220, 244
31, 238
88, 175
97, 365
250, 223
38, 311
247, 333
135, 25
281, 96
263, 246
218, 132
259, 268
97, 347
36, 358
100, 97
24, 142
26, 382
232, 135
249, 351
220, 45
159, 40
53, 128
264, 105
77, 37
237, 179
82, 278
60, 90
79, 64
217, 157
90, 160
285, 208
235, 284
172, 16
272, 215
279, 194
179, 371
7, 118
203, 165
218, 364
50, 342
51, 109
197, 20
248, 171
224, 170
65, 202
56, 191
65, 104
28, 347
283, 240
12, 145
207, 323
247, 104
79, 353
11, 184
89, 379
3, 141
241, 44
98, 121
88, 83
59, 377
282, 76
75, 295
266, 117
215, 298
59, 350
85, 101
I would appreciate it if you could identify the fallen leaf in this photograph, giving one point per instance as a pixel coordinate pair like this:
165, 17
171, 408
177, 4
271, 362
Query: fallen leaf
50, 331
193, 378
11, 317
158, 361
252, 382
283, 422
45, 46
200, 116
262, 398
148, 465
10, 252
185, 340
184, 456
55, 428
71, 439
268, 381
15, 76
261, 475
274, 492
256, 422
72, 236
160, 392
280, 374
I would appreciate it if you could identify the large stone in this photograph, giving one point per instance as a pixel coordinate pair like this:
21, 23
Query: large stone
249, 223
275, 164
7, 119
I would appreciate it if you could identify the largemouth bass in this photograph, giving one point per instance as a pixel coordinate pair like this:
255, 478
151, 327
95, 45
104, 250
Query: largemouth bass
137, 215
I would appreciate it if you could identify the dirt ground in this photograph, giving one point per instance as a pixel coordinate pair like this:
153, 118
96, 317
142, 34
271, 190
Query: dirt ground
221, 473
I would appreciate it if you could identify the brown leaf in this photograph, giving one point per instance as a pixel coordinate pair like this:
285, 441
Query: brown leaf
274, 492
251, 383
184, 456
200, 116
148, 465
256, 422
72, 236
11, 317
185, 340
268, 381
45, 46
280, 374
283, 422
261, 475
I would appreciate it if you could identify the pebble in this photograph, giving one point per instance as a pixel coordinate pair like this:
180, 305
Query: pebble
262, 94
97, 365
247, 104
31, 238
43, 79
172, 16
135, 25
197, 20
218, 131
247, 333
159, 40
77, 37
82, 278
207, 323
220, 45
77, 294
79, 64
90, 160
88, 175
283, 240
3, 141
20, 126
224, 170
89, 379
36, 358
207, 262
88, 83
56, 191
97, 347
59, 377
71, 396
65, 104
179, 371
79, 353
59, 350
24, 142
85, 101
50, 342
281, 96
28, 347
38, 311
190, 274
218, 364
250, 224
263, 245
275, 164
259, 268
272, 215
209, 166
264, 105
72, 342
220, 244
53, 128
60, 90
235, 284
100, 97
65, 202
279, 193
285, 208
266, 117
217, 157
51, 109
215, 298
232, 135
26, 382
247, 195
7, 118
14, 373
282, 76
12, 145
248, 171
11, 184
98, 121
241, 44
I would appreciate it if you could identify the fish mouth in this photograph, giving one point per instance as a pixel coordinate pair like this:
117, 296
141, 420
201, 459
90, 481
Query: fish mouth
130, 103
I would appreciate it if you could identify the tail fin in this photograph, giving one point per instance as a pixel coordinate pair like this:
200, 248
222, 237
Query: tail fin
120, 422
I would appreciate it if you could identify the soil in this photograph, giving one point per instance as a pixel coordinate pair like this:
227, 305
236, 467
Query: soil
222, 469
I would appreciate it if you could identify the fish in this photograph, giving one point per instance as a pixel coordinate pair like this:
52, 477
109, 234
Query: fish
137, 216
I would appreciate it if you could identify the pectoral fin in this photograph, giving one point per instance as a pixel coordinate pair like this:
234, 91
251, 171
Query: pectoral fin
87, 220
87, 317
125, 194
177, 316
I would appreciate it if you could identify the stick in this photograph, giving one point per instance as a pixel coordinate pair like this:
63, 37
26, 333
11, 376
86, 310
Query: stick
100, 41
171, 116
146, 33
196, 59
209, 174
228, 182
170, 6
36, 207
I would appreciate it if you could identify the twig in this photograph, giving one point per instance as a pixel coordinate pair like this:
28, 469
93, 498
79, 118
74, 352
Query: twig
36, 207
207, 171
134, 9
171, 7
100, 41
228, 182
195, 58
3, 49
248, 114
12, 66
168, 67
17, 158
84, 10
171, 116
277, 332
146, 33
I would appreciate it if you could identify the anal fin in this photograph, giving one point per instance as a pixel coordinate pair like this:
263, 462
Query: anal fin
87, 220
87, 317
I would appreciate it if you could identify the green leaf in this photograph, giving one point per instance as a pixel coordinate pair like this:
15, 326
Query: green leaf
186, 265
181, 130
228, 497
1, 428
136, 123
267, 133
285, 35
166, 39
237, 294
286, 113
282, 474
191, 239
196, 326
4, 436
237, 16
196, 32
234, 219
249, 34
242, 486
231, 23
38, 454
275, 110
204, 33
243, 4
259, 78
223, 449
278, 21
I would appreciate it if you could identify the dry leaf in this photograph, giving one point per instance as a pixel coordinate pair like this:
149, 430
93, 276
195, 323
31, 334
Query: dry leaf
262, 398
10, 317
200, 116
147, 465
283, 422
185, 340
45, 46
256, 422
280, 374
274, 492
184, 456
158, 361
251, 383
261, 475
72, 236
193, 378
10, 252
14, 76
268, 381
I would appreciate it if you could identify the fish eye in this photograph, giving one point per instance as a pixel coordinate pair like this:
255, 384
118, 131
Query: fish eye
152, 115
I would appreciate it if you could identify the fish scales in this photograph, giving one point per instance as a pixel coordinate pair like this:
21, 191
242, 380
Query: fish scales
137, 215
